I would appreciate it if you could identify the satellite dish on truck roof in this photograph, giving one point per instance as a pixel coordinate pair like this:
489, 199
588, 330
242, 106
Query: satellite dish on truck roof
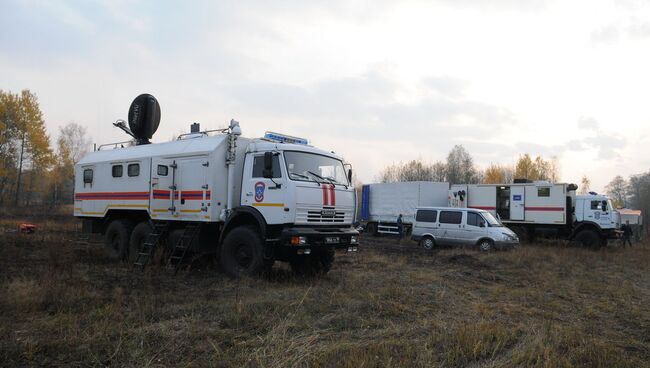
144, 117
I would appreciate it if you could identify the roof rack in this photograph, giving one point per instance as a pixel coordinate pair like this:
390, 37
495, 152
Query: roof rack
114, 145
205, 132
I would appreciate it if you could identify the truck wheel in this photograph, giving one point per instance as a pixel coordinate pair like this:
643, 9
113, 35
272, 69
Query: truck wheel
522, 233
588, 239
138, 237
116, 239
427, 243
241, 253
485, 245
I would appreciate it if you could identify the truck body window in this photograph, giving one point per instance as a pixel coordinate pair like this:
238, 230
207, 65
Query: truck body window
134, 169
450, 217
117, 171
258, 166
88, 176
426, 216
163, 170
544, 192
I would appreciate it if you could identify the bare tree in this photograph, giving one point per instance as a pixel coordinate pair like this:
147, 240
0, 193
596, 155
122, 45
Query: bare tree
460, 167
585, 185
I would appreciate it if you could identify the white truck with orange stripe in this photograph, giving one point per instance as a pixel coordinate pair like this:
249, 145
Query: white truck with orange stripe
543, 208
256, 200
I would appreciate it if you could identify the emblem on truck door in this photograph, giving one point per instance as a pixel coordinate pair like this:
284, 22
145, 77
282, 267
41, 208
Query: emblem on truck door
259, 191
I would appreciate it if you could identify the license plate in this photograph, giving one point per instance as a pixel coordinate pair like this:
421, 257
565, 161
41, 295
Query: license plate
332, 239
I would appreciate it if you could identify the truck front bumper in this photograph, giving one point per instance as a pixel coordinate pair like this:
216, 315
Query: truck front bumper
319, 239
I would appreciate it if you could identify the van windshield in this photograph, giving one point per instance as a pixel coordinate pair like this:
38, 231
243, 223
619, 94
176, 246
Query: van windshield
492, 222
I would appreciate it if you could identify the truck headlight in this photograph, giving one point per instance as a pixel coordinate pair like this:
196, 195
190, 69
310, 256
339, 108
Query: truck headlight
298, 240
354, 239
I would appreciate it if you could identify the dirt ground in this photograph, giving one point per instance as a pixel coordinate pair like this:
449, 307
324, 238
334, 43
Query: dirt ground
62, 303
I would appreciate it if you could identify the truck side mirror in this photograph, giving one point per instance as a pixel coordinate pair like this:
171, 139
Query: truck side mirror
350, 175
268, 165
605, 206
481, 224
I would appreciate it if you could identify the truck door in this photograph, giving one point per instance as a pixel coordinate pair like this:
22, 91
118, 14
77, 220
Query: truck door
83, 197
266, 195
193, 191
162, 202
517, 203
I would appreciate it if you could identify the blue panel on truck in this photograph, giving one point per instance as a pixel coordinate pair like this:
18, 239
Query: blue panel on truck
365, 202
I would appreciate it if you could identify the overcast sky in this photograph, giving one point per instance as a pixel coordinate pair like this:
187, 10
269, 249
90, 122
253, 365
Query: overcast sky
376, 81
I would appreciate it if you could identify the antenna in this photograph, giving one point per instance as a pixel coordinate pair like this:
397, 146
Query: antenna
144, 118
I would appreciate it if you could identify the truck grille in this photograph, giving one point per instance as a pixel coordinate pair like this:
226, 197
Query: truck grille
323, 215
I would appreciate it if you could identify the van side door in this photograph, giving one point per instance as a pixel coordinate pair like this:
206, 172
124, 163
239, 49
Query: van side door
450, 227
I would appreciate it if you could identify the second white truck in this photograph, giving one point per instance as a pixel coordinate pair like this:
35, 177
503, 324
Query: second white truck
382, 203
543, 208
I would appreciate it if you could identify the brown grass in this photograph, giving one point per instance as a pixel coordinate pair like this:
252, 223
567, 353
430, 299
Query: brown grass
63, 304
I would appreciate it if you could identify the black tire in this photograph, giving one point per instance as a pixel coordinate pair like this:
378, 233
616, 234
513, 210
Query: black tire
138, 237
485, 245
588, 239
242, 253
522, 233
427, 243
116, 239
313, 264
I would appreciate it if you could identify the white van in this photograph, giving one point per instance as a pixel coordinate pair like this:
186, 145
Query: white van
460, 226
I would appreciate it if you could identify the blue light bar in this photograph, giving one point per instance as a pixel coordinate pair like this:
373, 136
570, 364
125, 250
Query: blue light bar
283, 138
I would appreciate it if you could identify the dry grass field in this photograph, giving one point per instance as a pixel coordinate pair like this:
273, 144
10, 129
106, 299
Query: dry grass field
548, 305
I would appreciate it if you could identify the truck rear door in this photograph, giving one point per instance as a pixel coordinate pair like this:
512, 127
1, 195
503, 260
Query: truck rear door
517, 201
193, 190
162, 203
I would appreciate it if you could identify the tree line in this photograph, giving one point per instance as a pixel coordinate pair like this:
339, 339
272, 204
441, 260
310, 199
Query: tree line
459, 168
32, 171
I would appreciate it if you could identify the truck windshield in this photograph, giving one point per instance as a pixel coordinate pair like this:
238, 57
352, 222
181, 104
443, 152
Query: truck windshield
492, 222
303, 166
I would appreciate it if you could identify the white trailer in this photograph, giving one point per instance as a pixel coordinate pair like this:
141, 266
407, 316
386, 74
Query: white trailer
541, 207
252, 201
381, 204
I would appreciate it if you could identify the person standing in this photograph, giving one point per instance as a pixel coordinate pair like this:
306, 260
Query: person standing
400, 226
627, 233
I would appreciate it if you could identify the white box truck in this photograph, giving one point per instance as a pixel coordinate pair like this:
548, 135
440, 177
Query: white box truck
252, 201
382, 203
535, 208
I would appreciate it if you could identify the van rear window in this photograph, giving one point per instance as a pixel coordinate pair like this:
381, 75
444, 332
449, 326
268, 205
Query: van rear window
450, 217
426, 216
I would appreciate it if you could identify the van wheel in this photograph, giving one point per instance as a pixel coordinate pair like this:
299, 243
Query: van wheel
427, 243
486, 245
241, 253
116, 239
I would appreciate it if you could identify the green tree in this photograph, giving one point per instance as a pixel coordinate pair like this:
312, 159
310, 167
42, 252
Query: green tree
24, 146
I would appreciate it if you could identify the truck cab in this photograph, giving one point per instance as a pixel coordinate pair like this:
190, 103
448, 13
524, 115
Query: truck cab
598, 210
303, 198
